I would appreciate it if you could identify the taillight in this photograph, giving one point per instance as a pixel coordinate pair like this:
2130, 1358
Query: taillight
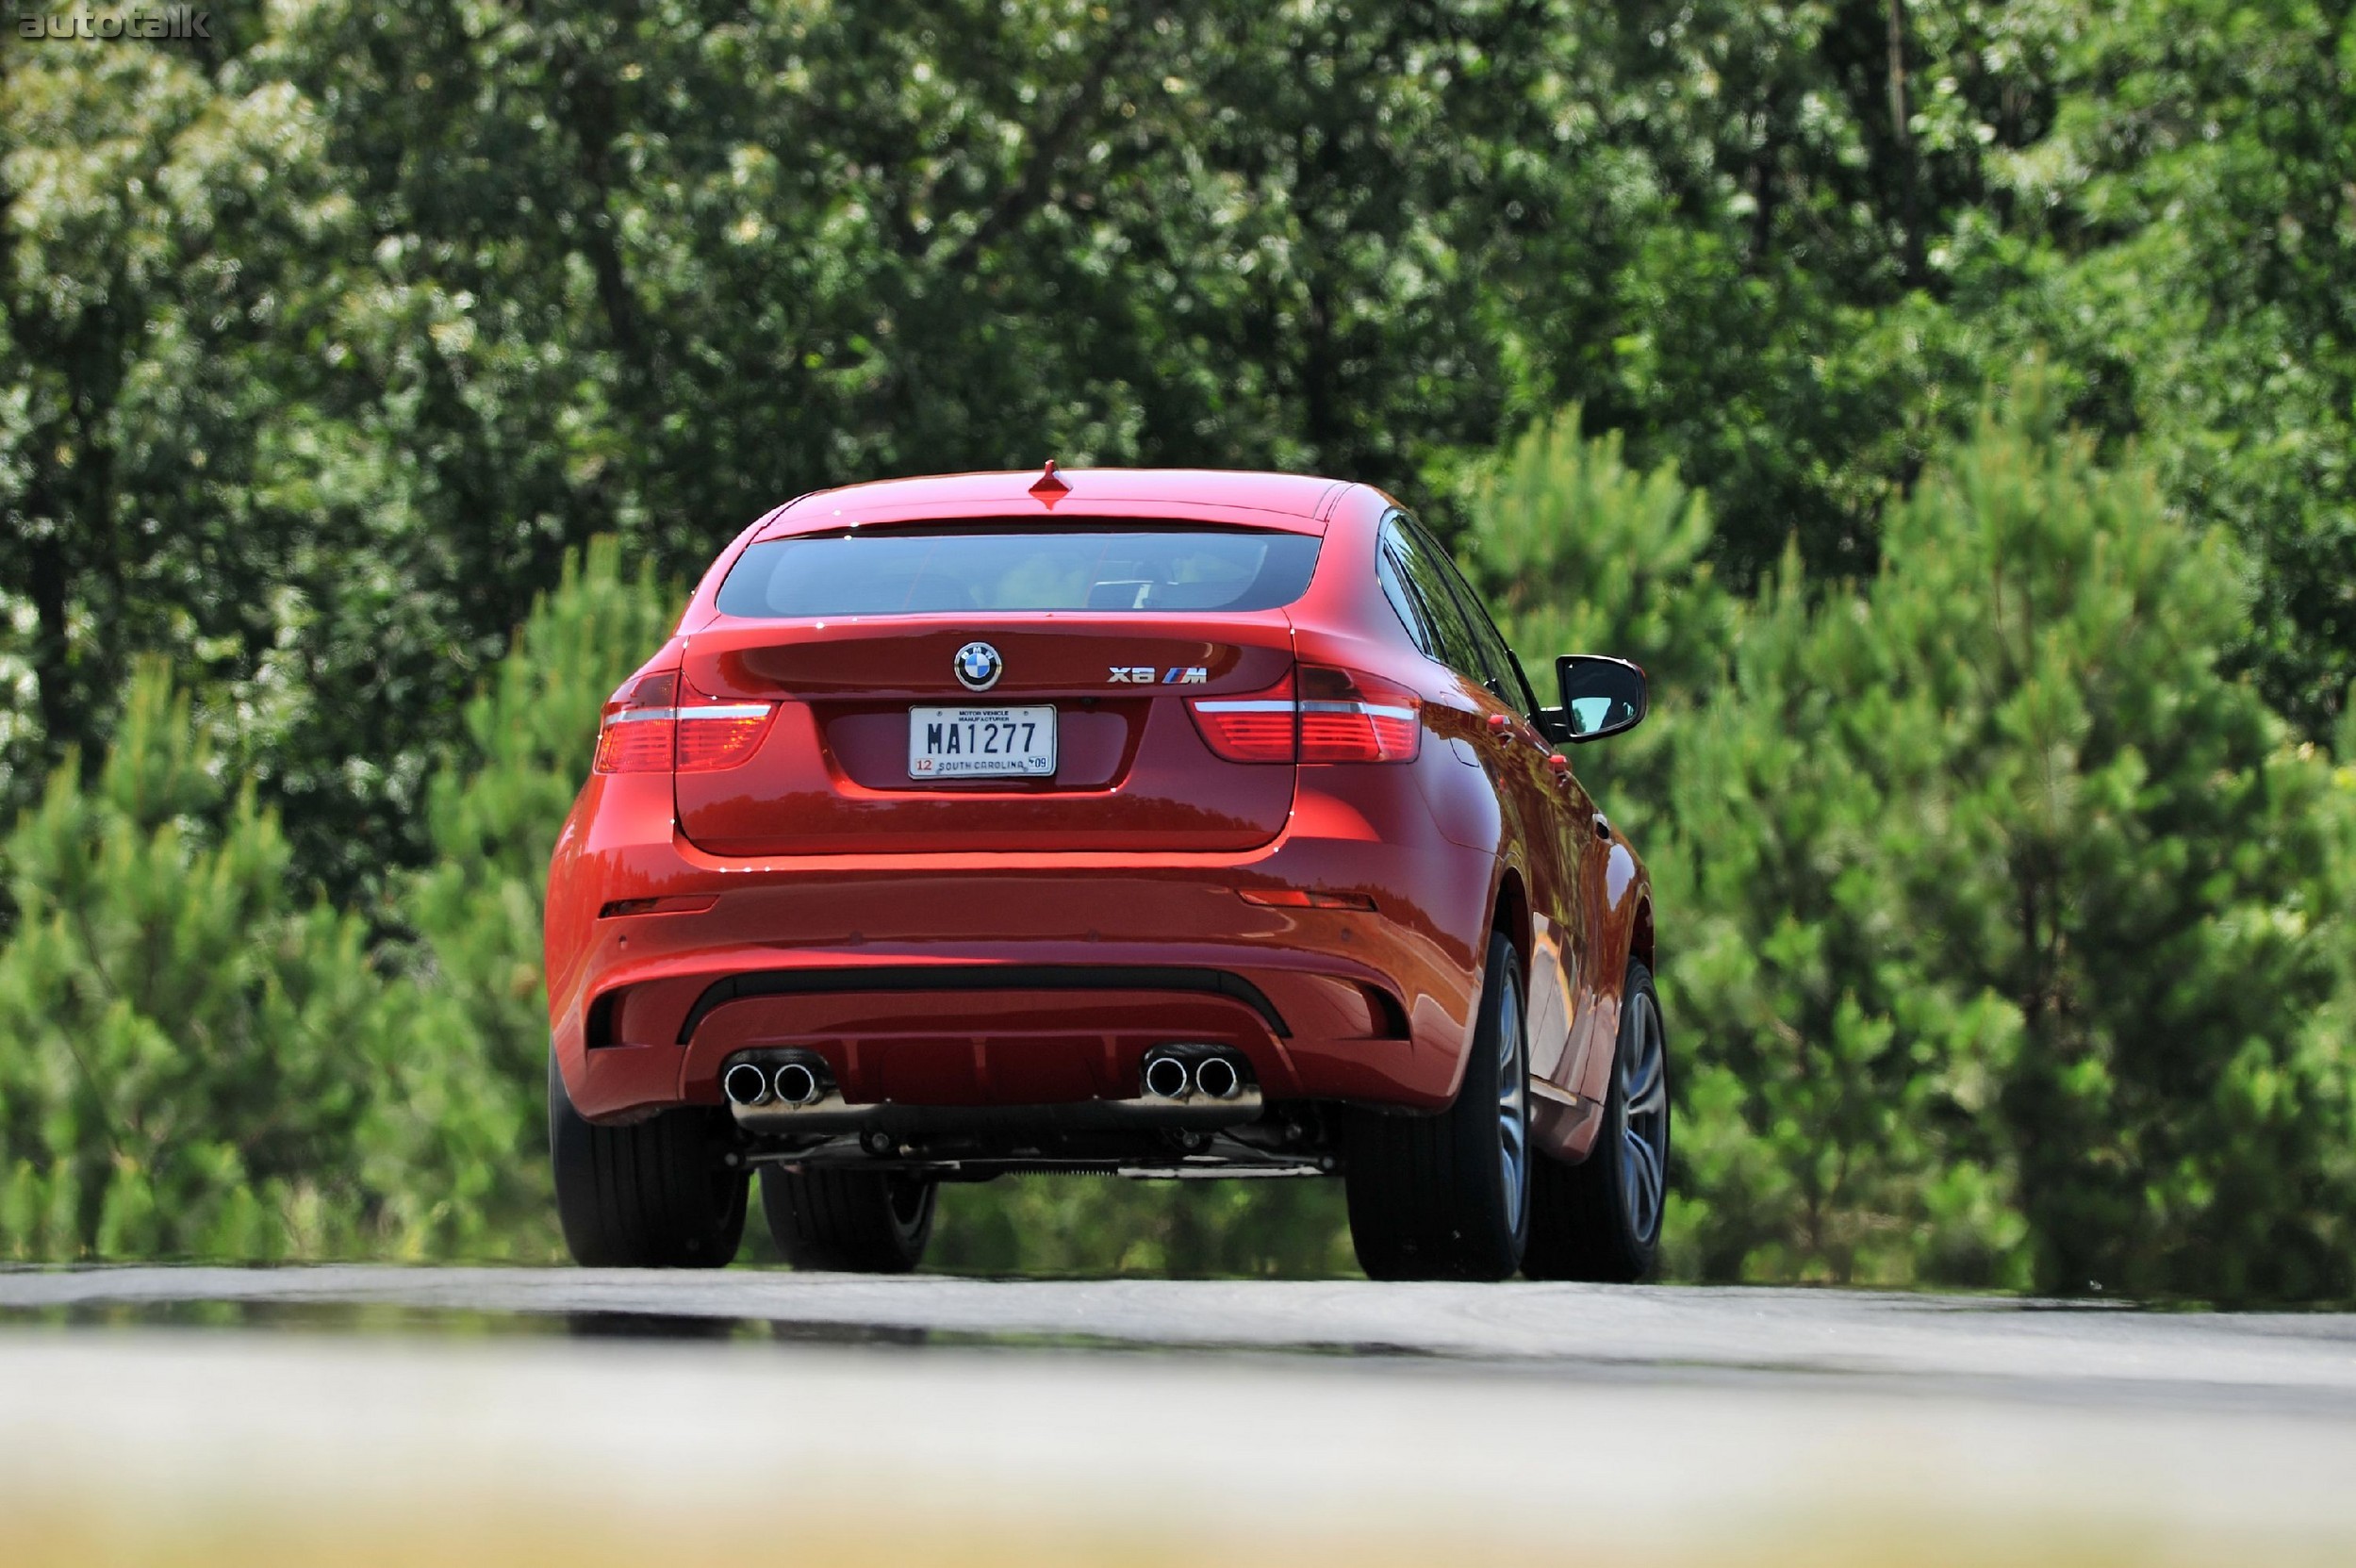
647, 729
640, 726
1262, 727
1349, 718
1314, 714
713, 735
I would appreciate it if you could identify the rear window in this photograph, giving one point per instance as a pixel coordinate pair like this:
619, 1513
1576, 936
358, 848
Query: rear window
949, 570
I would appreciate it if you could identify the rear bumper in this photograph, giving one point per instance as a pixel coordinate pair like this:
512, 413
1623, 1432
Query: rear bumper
988, 980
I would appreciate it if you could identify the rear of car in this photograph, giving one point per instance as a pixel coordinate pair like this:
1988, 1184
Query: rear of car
986, 824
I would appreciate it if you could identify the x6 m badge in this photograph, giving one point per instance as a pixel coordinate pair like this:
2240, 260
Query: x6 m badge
1144, 675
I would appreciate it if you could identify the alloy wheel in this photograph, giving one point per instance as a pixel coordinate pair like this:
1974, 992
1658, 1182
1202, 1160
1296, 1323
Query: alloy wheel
1513, 1092
911, 1199
1643, 1070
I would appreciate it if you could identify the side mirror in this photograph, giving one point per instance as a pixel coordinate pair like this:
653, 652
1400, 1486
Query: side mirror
1599, 696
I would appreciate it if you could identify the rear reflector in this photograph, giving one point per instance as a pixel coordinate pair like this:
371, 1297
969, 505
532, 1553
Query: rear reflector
1315, 715
1303, 897
647, 729
677, 904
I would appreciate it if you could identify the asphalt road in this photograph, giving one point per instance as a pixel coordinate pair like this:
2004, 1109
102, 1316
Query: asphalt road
418, 1413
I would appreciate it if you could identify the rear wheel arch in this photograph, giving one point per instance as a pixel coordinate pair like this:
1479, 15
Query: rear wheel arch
1509, 917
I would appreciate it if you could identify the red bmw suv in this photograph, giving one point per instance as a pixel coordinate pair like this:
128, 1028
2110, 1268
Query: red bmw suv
1171, 824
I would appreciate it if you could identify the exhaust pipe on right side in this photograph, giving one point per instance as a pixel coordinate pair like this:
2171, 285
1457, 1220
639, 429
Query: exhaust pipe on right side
1217, 1075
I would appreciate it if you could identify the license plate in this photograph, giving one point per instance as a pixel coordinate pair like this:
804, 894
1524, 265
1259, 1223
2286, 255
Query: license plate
980, 743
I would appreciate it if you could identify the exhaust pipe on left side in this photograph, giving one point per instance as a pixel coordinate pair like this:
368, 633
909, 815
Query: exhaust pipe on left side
796, 1084
745, 1084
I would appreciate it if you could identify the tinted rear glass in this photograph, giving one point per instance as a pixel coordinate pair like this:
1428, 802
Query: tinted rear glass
948, 570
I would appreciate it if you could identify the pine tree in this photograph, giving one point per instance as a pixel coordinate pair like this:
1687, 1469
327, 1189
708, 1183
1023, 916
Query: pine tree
1577, 553
2009, 932
496, 807
193, 1063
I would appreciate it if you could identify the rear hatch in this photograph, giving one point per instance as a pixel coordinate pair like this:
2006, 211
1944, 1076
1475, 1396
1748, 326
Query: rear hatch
986, 702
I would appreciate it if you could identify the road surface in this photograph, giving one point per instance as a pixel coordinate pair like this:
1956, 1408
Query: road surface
381, 1414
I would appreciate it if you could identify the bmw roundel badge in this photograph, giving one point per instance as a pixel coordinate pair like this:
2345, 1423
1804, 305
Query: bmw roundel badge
978, 667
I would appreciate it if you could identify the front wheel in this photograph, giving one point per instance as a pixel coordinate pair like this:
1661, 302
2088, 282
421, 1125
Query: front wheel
1448, 1196
1600, 1219
653, 1194
849, 1221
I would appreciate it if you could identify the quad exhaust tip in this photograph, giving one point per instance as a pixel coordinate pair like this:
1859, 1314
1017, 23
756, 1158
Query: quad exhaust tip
745, 1084
796, 1084
1217, 1075
1166, 1077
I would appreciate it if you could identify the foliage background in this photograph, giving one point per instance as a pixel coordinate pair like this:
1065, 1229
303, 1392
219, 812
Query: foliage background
1950, 403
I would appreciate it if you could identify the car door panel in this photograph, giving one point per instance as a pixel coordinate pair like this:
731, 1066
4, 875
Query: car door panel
1512, 753
1611, 897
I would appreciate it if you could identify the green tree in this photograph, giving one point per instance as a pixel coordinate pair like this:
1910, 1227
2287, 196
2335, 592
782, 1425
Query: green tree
2011, 934
495, 807
1578, 552
172, 262
2180, 243
1810, 1144
323, 346
192, 1063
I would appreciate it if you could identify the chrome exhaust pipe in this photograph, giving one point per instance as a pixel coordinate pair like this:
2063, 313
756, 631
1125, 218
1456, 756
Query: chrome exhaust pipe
796, 1084
1166, 1078
1217, 1075
745, 1084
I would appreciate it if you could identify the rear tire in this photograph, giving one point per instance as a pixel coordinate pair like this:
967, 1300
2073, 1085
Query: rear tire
849, 1221
655, 1194
1600, 1219
1448, 1196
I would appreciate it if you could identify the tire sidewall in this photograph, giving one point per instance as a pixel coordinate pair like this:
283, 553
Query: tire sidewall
653, 1194
847, 1220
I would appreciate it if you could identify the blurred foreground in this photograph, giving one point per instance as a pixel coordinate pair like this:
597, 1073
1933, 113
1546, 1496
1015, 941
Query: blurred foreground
523, 1416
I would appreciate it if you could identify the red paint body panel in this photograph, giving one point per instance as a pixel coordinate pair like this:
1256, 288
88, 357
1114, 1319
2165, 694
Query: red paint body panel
830, 776
819, 854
